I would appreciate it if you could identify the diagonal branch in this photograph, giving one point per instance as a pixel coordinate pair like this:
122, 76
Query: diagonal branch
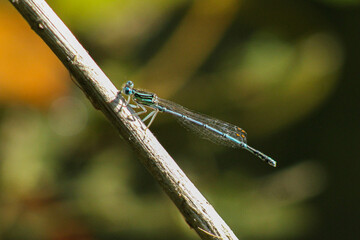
198, 213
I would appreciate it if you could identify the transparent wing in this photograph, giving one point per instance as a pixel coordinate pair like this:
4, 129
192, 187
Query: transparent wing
224, 127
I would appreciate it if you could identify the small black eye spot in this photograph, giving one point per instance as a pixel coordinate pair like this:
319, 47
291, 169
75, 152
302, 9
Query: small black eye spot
127, 91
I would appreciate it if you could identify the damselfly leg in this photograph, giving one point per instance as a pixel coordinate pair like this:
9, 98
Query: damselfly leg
143, 110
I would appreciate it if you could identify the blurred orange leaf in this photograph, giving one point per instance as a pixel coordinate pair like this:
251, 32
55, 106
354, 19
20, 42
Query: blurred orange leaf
30, 73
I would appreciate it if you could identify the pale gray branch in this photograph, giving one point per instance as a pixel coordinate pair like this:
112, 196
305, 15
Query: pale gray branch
198, 213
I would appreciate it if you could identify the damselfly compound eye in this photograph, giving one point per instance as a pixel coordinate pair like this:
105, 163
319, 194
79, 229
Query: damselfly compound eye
127, 90
130, 84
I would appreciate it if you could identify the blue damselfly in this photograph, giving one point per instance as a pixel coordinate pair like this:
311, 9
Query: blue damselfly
207, 127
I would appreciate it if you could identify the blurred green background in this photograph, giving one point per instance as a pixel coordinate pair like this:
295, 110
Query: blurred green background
285, 71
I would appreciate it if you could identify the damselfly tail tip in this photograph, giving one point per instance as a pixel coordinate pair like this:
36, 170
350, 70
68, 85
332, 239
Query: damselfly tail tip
260, 155
267, 159
271, 162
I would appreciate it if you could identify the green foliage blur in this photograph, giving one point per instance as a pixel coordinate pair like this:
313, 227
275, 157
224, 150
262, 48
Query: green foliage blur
285, 71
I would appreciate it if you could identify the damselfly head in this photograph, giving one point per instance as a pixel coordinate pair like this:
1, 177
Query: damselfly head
130, 84
128, 88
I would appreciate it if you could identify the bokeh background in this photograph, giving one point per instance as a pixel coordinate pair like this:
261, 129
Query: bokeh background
285, 71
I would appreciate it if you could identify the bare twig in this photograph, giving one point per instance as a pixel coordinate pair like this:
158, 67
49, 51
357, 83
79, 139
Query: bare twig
198, 213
